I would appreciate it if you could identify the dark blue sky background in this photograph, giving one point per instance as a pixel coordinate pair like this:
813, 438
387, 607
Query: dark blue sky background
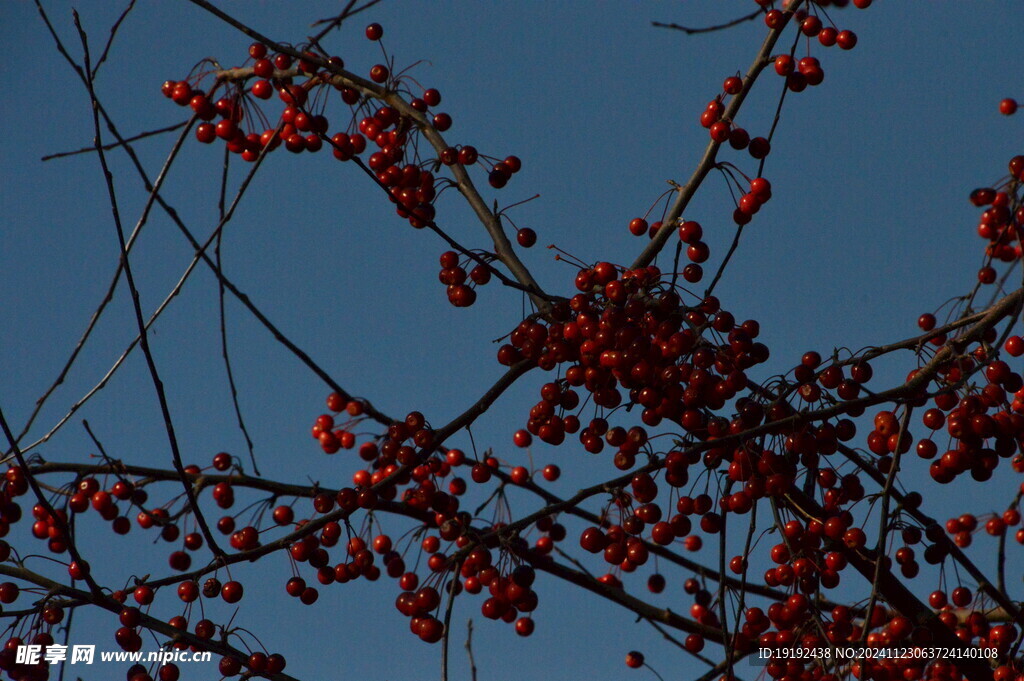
869, 227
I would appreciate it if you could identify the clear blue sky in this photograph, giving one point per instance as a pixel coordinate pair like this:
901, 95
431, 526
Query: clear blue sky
869, 227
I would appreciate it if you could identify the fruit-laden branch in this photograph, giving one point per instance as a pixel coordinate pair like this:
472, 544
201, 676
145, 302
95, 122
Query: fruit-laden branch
910, 389
201, 480
1009, 609
707, 162
895, 593
988, 319
619, 596
107, 603
490, 221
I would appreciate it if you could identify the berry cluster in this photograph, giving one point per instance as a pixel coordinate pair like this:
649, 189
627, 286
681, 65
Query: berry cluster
396, 159
640, 365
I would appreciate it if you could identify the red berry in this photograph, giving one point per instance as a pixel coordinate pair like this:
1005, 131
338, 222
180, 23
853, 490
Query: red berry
524, 626
720, 132
638, 226
690, 232
784, 65
811, 26
759, 147
226, 129
206, 133
1014, 346
263, 68
774, 19
846, 40
231, 592
442, 122
374, 31
827, 36
431, 97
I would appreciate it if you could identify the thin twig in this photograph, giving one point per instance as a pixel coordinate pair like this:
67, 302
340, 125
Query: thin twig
490, 221
335, 22
110, 39
114, 145
707, 162
708, 29
108, 296
448, 622
883, 521
136, 305
469, 650
222, 316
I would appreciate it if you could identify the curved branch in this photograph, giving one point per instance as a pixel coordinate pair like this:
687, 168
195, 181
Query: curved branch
490, 221
707, 162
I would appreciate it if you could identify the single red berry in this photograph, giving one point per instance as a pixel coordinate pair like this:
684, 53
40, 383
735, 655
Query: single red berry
442, 122
1014, 346
774, 19
374, 31
262, 89
1008, 107
690, 232
759, 147
231, 592
784, 65
961, 596
846, 40
226, 129
694, 643
431, 97
143, 595
526, 237
827, 37
720, 132
497, 179
263, 68
520, 475
206, 133
524, 626
229, 666
811, 26
468, 155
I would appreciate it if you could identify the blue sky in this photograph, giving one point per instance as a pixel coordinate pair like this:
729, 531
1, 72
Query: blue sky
869, 227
